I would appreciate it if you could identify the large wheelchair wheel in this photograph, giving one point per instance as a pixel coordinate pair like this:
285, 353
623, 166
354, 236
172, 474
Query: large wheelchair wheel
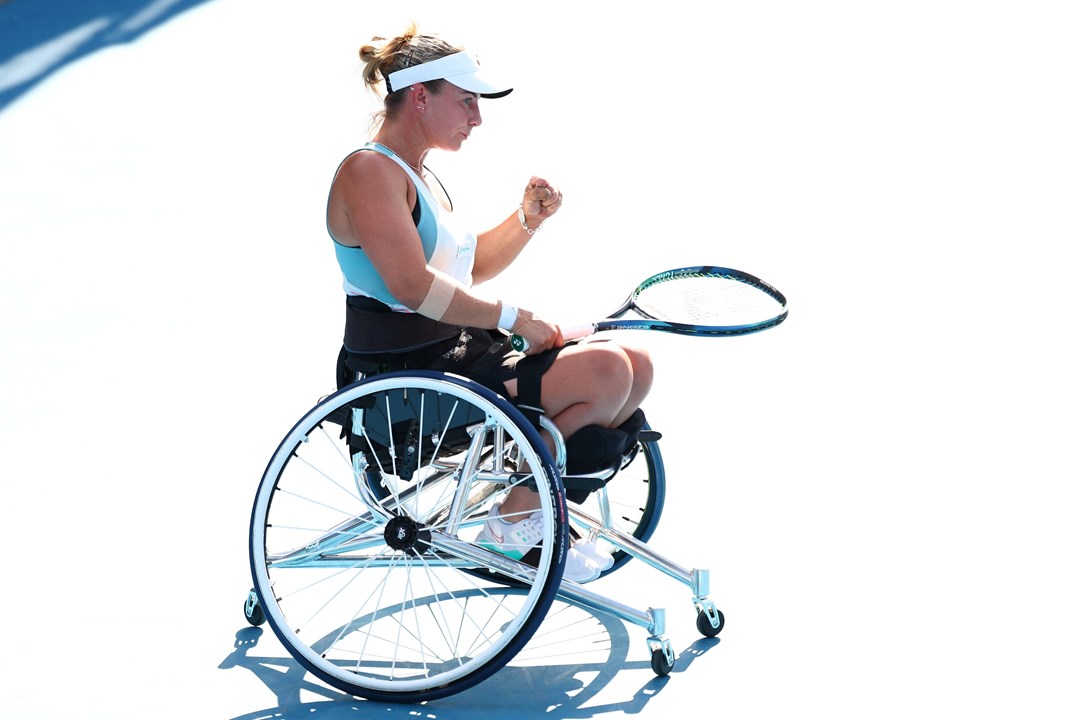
362, 537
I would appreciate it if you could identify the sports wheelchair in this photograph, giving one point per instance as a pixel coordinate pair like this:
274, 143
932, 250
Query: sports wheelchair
362, 537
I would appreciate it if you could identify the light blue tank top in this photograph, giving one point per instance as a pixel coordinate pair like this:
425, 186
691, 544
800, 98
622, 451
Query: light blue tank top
448, 246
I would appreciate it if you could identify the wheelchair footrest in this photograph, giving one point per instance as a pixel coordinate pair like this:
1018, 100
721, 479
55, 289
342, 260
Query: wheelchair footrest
583, 482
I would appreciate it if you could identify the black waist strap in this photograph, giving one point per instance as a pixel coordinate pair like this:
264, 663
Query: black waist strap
372, 327
370, 304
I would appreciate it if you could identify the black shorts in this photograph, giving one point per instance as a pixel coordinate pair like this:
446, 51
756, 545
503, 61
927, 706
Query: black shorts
484, 356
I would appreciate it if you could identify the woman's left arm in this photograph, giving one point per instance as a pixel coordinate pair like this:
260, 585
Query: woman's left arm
498, 247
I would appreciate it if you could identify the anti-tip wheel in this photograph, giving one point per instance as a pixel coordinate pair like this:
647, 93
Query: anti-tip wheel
662, 663
707, 626
253, 612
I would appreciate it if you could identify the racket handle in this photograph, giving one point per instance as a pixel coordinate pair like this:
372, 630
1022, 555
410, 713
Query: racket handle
575, 332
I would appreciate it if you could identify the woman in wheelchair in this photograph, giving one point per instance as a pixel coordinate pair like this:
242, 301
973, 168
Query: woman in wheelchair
409, 268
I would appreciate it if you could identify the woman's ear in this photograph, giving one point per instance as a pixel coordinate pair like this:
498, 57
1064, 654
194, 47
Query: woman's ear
419, 94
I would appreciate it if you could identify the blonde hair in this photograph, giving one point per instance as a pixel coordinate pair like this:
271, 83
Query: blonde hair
408, 49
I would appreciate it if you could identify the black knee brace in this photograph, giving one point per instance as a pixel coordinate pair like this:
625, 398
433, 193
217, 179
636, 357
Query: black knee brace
594, 448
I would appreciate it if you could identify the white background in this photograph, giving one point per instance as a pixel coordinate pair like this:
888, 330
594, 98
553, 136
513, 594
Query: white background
884, 487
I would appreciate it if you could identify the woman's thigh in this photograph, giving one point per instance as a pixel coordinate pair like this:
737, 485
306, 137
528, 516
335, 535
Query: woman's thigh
584, 373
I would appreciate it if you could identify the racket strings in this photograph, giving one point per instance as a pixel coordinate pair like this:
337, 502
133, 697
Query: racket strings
707, 300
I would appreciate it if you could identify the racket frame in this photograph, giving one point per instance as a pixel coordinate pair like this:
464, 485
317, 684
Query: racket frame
649, 322
615, 321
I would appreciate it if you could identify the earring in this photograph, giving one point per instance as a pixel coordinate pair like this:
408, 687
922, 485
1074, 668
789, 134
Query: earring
420, 108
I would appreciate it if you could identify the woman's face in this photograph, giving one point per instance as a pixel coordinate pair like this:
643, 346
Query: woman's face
452, 116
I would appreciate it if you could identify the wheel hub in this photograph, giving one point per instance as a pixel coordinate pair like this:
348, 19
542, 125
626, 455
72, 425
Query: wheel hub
406, 535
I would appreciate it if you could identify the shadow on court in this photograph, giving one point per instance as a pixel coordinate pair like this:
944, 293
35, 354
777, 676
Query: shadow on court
545, 690
38, 38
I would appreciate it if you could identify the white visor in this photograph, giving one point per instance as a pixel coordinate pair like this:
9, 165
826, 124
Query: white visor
461, 69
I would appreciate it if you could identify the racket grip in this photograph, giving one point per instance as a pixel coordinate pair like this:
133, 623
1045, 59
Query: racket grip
574, 332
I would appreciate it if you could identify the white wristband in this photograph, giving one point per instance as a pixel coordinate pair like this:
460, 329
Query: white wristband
507, 317
521, 219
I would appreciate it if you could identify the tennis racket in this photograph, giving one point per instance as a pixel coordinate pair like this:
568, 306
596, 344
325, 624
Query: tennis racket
699, 300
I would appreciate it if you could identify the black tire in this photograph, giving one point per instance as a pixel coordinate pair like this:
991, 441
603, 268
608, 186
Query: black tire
660, 664
705, 626
253, 610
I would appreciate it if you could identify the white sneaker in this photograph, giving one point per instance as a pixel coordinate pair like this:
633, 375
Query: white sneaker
600, 558
515, 539
512, 539
579, 567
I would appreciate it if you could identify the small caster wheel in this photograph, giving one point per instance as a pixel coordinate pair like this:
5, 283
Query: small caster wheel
661, 663
253, 611
705, 624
